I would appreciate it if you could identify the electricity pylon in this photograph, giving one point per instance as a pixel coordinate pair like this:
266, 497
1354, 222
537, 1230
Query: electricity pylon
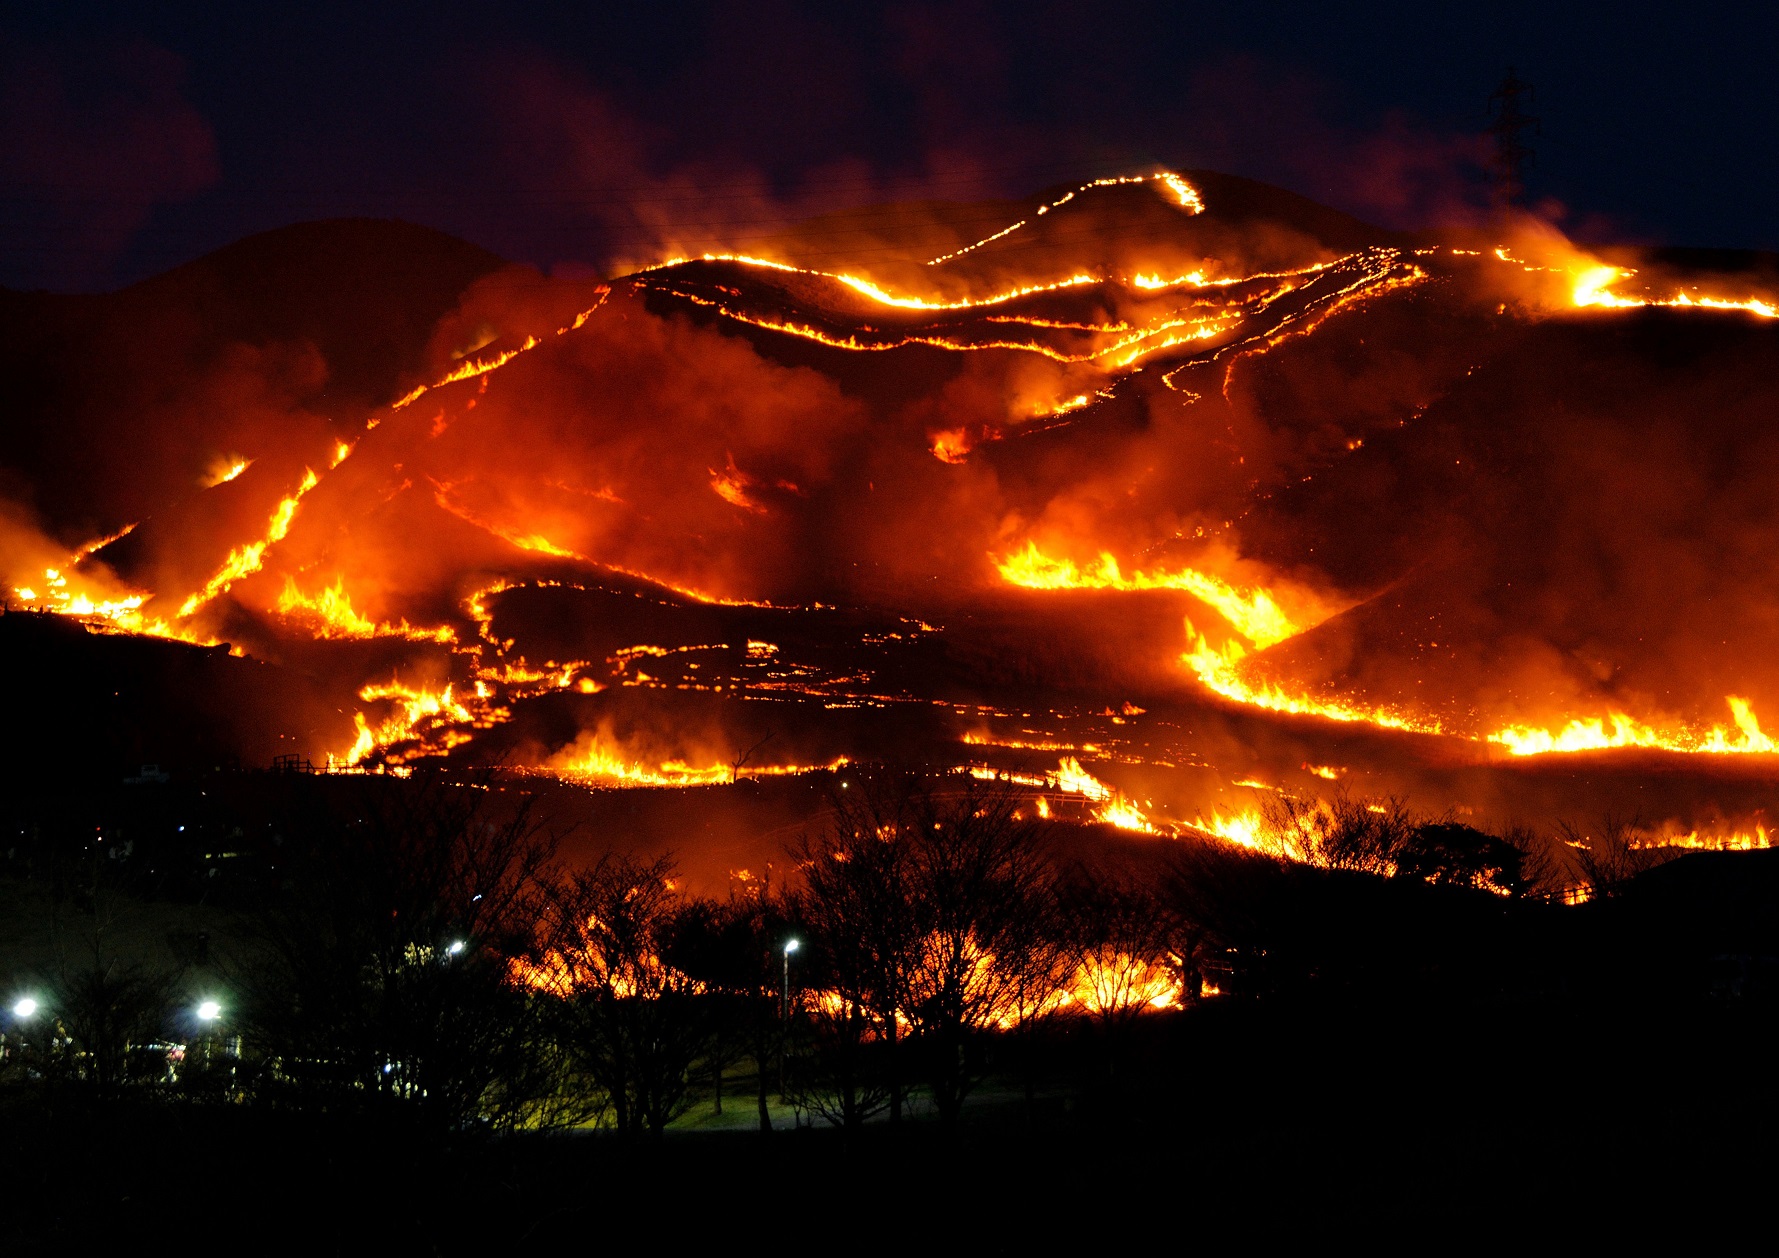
1510, 124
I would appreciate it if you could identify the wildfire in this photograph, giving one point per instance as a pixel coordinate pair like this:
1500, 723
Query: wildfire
1121, 351
1101, 319
1757, 839
601, 761
1219, 670
952, 446
1253, 613
1618, 730
99, 599
989, 740
1593, 284
467, 370
1183, 193
432, 720
1069, 778
225, 470
248, 559
331, 615
1247, 829
1109, 980
1589, 282
598, 759
60, 596
471, 368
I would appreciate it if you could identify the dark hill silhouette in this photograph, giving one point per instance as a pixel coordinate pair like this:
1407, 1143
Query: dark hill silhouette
116, 402
100, 706
1237, 201
1245, 225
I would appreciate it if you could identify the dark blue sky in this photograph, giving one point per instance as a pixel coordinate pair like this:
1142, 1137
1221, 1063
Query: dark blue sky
134, 137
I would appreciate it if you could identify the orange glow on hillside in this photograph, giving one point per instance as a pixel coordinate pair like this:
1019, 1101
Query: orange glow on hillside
248, 559
1253, 613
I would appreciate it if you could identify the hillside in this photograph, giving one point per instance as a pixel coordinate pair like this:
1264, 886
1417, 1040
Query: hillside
1165, 492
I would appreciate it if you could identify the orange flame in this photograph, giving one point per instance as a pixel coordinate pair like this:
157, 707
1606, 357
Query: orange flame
249, 558
1253, 613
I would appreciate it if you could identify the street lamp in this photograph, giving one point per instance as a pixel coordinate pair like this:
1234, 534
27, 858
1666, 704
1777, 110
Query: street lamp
784, 992
790, 946
25, 1008
209, 1011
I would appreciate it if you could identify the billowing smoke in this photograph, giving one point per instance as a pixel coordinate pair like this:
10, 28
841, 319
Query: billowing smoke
1180, 477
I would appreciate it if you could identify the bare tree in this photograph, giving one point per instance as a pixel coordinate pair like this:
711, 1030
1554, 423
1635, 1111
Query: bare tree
933, 908
108, 1003
838, 1058
1544, 868
984, 897
1221, 904
377, 970
1119, 941
1611, 853
1339, 832
631, 1020
857, 906
735, 949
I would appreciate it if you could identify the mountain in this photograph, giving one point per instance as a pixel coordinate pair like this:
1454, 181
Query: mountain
120, 402
1158, 493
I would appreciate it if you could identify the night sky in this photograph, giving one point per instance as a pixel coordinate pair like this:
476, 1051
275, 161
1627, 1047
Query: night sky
575, 135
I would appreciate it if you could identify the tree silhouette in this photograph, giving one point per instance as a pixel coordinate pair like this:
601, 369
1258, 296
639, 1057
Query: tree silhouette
376, 970
1608, 855
933, 908
735, 950
631, 1020
855, 904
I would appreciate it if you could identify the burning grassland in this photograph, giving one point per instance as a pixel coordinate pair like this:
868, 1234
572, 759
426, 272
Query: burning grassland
1175, 481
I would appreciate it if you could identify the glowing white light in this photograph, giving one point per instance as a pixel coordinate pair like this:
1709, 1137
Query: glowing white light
209, 1011
456, 947
791, 945
25, 1008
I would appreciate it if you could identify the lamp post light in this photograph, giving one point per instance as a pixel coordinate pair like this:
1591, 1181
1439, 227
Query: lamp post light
23, 1010
790, 946
784, 993
209, 1011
